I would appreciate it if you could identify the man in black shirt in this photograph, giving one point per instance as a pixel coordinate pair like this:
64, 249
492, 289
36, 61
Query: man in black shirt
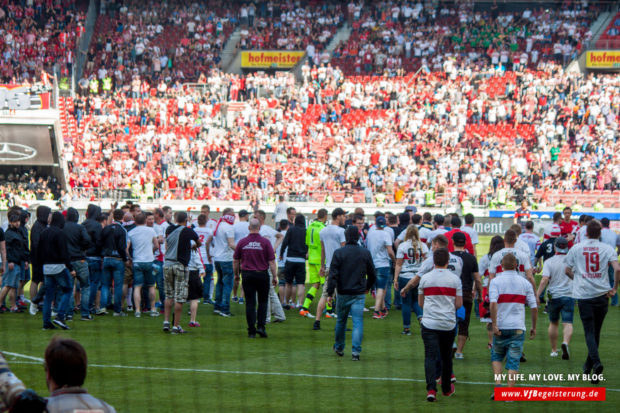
114, 252
78, 241
176, 275
469, 276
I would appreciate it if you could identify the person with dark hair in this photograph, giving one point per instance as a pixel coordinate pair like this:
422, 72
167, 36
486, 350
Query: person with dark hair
65, 371
440, 294
496, 244
568, 227
291, 213
438, 228
78, 242
581, 234
470, 279
16, 252
380, 246
524, 265
523, 214
530, 239
554, 229
176, 274
469, 229
44, 215
351, 274
313, 242
53, 254
455, 221
612, 239
114, 252
143, 242
294, 245
561, 293
253, 256
587, 264
509, 293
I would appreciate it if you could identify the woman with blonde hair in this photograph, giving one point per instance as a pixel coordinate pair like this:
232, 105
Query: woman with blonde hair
409, 257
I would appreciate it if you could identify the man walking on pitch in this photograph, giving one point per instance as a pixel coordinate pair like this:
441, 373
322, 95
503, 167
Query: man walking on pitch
351, 274
561, 301
313, 242
253, 257
587, 264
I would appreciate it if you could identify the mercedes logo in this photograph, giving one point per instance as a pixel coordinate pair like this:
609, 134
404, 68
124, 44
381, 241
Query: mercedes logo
16, 152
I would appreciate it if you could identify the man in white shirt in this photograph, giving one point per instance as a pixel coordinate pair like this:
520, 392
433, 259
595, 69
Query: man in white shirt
508, 294
520, 244
524, 266
439, 294
587, 264
469, 229
612, 239
530, 239
332, 237
223, 239
142, 242
241, 229
204, 229
438, 228
561, 301
379, 243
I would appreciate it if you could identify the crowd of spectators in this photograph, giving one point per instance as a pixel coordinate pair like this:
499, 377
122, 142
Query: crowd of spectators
389, 35
35, 36
486, 136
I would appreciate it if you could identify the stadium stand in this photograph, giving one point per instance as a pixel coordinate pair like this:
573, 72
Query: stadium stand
610, 39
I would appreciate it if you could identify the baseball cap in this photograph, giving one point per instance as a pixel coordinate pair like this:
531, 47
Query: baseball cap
337, 212
561, 245
458, 238
411, 208
243, 213
380, 222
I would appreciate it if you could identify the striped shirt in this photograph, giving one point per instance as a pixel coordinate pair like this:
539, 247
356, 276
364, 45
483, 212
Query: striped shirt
440, 288
511, 293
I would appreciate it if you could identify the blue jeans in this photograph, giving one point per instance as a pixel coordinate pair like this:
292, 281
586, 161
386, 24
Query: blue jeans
159, 279
56, 282
409, 302
223, 288
113, 270
206, 288
94, 272
82, 277
354, 305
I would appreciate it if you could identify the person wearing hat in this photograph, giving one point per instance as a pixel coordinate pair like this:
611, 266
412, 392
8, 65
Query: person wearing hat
379, 243
561, 297
241, 229
351, 274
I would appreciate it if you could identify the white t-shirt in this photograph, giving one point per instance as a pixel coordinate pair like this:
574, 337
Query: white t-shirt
160, 230
523, 261
332, 237
221, 250
279, 262
589, 261
610, 238
522, 246
269, 233
559, 283
422, 231
580, 235
141, 238
532, 241
434, 233
511, 292
440, 288
412, 258
473, 234
203, 235
483, 268
376, 242
242, 230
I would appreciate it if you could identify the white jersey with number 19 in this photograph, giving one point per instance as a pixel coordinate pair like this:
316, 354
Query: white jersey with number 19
589, 261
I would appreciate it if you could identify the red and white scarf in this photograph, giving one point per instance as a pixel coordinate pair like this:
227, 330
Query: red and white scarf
226, 218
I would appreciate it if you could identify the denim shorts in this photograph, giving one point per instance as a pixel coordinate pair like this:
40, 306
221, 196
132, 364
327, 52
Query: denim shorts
11, 277
561, 306
383, 277
508, 345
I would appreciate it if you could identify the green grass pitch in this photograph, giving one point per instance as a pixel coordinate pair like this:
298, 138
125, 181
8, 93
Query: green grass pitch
137, 368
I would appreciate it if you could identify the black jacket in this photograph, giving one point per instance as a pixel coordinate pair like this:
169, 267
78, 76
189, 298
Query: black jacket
16, 246
94, 229
53, 243
78, 240
294, 242
351, 271
114, 239
43, 213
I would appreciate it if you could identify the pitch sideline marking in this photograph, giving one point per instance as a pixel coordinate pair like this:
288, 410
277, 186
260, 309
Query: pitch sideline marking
37, 360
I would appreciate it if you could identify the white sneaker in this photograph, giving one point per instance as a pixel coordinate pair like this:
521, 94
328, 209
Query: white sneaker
138, 314
554, 354
459, 356
33, 309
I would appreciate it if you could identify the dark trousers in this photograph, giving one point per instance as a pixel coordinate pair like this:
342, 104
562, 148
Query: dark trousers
437, 346
255, 283
592, 312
